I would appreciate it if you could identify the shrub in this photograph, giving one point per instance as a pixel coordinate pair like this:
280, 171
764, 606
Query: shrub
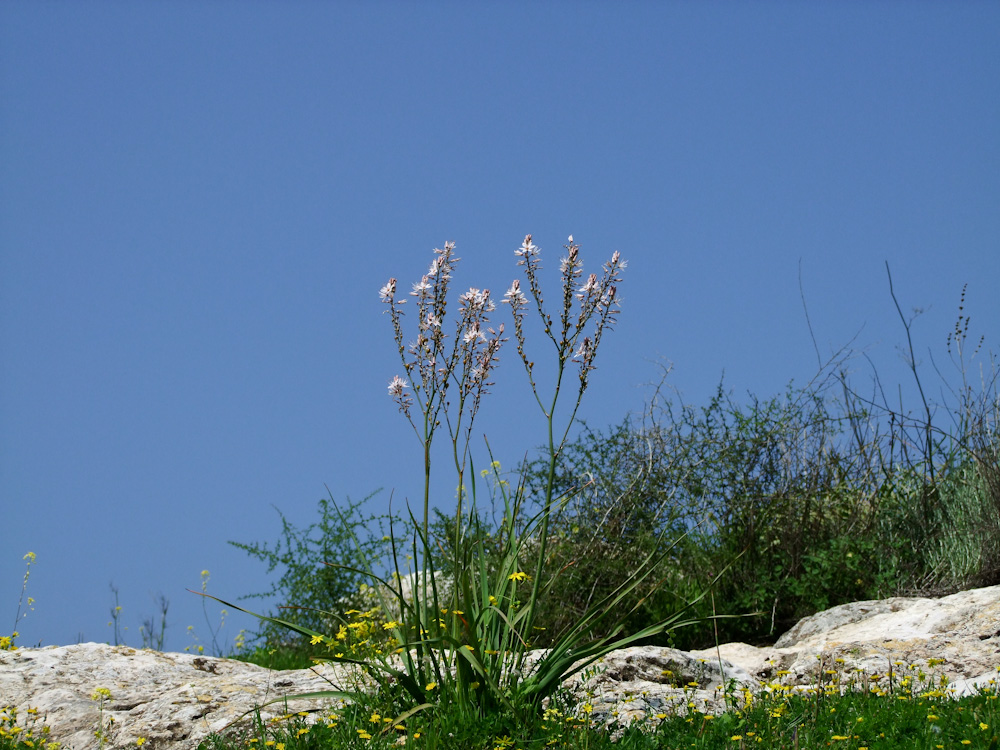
309, 590
820, 496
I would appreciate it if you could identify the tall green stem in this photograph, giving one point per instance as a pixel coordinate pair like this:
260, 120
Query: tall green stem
547, 508
428, 434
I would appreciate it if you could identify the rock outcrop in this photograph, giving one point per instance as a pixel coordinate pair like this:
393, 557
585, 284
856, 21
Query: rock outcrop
174, 701
960, 633
170, 700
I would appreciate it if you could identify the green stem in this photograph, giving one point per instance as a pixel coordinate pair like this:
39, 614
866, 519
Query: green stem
427, 482
547, 508
427, 471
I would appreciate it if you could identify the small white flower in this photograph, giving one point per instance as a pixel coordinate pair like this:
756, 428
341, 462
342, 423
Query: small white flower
474, 334
441, 265
476, 299
514, 295
396, 386
387, 292
527, 248
590, 286
421, 288
420, 343
433, 321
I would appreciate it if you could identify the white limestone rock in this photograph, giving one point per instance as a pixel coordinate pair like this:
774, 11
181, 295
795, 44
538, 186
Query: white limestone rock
968, 613
876, 637
172, 700
641, 682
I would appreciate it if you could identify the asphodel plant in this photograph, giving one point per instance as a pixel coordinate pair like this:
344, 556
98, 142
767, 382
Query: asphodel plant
464, 641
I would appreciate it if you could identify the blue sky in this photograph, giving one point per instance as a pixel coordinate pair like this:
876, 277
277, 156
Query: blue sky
200, 201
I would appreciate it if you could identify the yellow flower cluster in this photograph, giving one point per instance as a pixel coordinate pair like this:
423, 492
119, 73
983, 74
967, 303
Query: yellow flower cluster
26, 734
366, 635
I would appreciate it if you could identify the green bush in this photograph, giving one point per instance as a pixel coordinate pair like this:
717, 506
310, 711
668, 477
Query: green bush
308, 589
811, 501
760, 488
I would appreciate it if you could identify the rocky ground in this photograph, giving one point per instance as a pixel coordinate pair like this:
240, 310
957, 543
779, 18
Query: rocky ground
176, 700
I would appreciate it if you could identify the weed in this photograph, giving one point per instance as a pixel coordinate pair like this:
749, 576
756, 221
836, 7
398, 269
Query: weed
8, 642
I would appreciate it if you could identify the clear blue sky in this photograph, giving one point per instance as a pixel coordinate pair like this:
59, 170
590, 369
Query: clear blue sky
200, 201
